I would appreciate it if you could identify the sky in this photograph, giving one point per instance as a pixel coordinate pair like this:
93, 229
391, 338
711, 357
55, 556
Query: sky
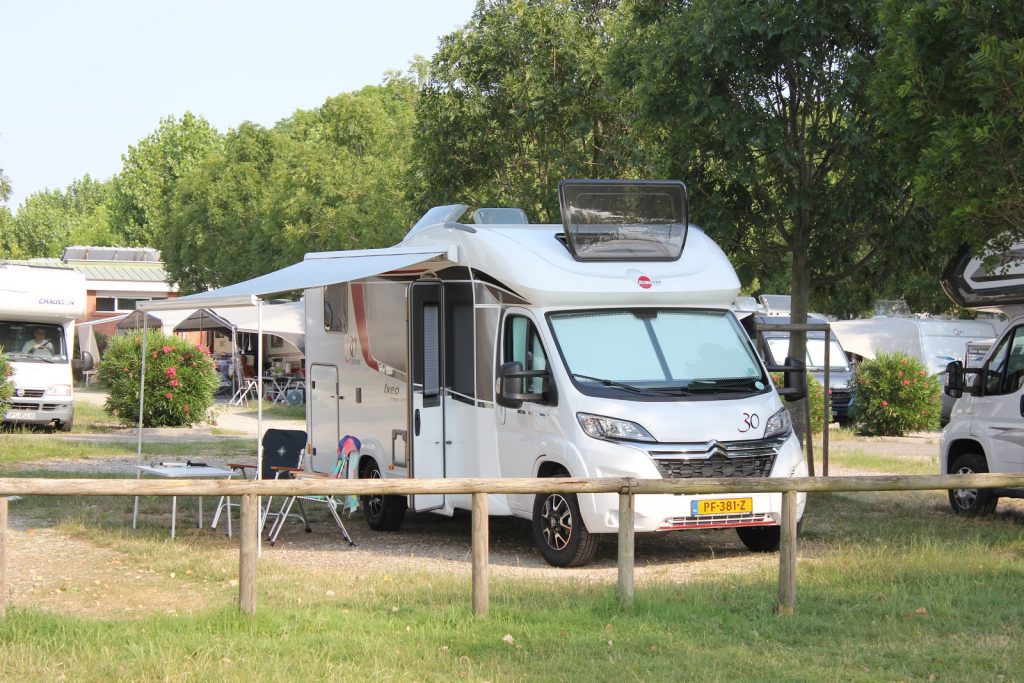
80, 82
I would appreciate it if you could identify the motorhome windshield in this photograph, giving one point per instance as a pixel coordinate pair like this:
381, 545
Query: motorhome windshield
657, 353
837, 361
33, 342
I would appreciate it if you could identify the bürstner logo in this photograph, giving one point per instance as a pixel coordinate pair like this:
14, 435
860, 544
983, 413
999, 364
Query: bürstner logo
644, 282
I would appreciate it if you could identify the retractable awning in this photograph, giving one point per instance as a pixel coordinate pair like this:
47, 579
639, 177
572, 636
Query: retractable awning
317, 270
281, 320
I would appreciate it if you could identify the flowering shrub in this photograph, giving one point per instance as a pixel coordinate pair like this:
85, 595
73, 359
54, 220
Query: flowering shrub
6, 382
180, 380
814, 399
895, 395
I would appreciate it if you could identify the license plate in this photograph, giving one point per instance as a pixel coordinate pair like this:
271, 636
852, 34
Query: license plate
16, 415
722, 506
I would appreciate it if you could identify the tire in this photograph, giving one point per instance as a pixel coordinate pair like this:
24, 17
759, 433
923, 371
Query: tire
971, 502
559, 531
383, 513
760, 539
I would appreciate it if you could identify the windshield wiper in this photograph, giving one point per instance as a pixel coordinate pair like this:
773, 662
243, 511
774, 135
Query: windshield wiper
742, 385
611, 383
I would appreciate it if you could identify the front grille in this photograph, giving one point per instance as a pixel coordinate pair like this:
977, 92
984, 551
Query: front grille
841, 397
31, 393
719, 459
23, 406
741, 519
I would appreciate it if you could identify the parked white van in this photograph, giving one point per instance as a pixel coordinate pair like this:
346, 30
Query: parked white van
38, 307
602, 347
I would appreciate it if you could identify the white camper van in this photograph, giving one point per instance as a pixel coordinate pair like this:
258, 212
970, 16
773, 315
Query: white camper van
38, 307
603, 347
986, 429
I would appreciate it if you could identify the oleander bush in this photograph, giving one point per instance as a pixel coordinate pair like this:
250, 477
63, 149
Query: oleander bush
6, 382
895, 395
180, 380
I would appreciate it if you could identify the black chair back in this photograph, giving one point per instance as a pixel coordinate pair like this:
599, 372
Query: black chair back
282, 448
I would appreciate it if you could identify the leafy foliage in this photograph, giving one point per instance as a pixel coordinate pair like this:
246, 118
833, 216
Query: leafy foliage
6, 382
50, 220
895, 395
180, 380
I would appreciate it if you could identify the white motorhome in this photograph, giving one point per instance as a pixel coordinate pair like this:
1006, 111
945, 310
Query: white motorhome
986, 429
603, 347
38, 307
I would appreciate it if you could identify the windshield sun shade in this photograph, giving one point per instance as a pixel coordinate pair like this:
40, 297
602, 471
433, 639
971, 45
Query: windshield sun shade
624, 220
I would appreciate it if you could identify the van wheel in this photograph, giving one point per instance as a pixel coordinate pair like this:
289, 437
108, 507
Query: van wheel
383, 513
559, 531
760, 539
971, 502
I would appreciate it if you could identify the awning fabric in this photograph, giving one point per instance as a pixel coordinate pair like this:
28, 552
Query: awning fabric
287, 321
317, 270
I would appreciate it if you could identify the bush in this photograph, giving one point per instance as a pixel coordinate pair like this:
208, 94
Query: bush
6, 382
180, 380
895, 395
814, 401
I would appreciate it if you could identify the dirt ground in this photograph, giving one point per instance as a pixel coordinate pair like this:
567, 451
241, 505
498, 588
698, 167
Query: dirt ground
51, 570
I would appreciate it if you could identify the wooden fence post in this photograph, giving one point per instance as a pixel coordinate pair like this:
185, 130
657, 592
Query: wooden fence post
481, 542
3, 556
787, 555
249, 521
627, 537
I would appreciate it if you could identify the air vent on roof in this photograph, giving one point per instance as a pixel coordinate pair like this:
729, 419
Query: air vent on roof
500, 216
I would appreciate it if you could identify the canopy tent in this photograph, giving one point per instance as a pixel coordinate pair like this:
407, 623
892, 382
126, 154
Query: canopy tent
285, 320
164, 319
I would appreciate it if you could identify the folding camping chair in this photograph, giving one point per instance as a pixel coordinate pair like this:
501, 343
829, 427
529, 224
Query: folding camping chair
348, 448
282, 458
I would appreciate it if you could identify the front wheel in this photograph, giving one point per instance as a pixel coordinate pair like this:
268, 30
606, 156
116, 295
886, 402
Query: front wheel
971, 502
760, 539
383, 513
559, 531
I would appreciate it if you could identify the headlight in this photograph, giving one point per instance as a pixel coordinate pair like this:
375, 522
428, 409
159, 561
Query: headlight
778, 424
59, 390
610, 428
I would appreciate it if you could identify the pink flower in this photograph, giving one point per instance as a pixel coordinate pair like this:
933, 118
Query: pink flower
885, 403
171, 372
906, 382
168, 396
185, 407
154, 354
174, 382
167, 349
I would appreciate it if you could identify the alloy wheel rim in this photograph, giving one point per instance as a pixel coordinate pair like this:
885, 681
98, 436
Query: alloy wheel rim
556, 521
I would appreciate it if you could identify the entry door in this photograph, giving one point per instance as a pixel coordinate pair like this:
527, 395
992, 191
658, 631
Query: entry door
426, 421
323, 415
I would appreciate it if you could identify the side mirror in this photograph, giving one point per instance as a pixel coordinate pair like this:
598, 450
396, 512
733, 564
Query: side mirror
85, 363
794, 383
954, 379
512, 383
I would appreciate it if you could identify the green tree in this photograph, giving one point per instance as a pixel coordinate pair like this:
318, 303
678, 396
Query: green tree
5, 186
516, 101
149, 172
50, 220
950, 81
763, 108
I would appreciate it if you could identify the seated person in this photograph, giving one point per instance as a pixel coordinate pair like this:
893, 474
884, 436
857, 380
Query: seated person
247, 370
39, 345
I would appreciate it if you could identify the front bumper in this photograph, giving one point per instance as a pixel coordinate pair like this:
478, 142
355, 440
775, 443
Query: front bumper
39, 412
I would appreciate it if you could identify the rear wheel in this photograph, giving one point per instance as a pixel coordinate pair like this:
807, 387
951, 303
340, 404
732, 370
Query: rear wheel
971, 502
559, 531
760, 539
383, 513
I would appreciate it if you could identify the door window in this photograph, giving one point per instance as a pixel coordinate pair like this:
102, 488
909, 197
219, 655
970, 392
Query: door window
1005, 371
523, 344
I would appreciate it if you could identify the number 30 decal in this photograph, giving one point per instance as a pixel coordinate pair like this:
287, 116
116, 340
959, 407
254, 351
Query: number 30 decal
750, 421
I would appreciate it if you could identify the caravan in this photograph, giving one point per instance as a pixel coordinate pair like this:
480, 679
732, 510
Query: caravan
602, 347
38, 308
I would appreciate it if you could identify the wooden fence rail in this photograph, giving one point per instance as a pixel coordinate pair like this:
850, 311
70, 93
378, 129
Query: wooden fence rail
626, 488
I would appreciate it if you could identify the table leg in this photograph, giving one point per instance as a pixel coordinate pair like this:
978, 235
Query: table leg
135, 512
200, 512
174, 513
229, 515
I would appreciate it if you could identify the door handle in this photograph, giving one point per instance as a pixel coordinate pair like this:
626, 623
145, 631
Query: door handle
416, 422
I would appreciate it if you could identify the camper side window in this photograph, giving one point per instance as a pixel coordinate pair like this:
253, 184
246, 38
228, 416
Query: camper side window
523, 344
1005, 372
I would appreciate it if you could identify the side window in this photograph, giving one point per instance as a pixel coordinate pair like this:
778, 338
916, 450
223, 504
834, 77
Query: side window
522, 344
1005, 371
